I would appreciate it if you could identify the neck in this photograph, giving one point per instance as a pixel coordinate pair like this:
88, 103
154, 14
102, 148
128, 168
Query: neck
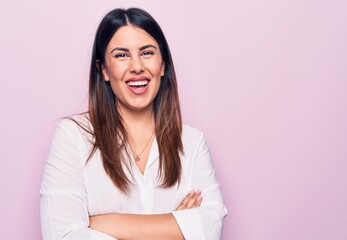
139, 120
140, 127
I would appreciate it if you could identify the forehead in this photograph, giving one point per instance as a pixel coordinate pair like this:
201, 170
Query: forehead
131, 37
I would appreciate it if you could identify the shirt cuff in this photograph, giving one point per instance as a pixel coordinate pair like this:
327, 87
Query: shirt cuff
189, 222
101, 236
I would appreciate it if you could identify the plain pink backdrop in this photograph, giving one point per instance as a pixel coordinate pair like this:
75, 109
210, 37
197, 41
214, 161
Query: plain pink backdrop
265, 80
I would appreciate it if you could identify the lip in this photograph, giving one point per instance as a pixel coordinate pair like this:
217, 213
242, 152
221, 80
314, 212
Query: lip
137, 78
138, 90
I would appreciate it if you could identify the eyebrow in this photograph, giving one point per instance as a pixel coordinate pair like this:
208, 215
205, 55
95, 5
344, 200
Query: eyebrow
127, 50
147, 46
120, 49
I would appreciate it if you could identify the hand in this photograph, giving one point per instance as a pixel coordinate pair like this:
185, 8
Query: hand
192, 200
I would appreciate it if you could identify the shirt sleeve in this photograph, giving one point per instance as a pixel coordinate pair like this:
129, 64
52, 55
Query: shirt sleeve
64, 212
206, 221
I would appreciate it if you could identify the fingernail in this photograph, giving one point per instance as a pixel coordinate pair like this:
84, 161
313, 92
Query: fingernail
198, 192
199, 198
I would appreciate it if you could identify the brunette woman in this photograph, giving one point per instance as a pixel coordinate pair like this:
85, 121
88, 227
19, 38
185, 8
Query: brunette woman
129, 168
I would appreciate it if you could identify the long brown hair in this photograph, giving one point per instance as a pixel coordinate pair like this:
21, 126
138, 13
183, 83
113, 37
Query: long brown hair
110, 135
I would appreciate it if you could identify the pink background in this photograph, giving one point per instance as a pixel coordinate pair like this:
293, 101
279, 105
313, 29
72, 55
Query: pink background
265, 80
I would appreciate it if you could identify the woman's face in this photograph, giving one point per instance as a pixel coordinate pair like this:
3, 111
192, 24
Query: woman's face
134, 67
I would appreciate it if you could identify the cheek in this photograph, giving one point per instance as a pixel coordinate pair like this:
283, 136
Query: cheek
117, 71
155, 68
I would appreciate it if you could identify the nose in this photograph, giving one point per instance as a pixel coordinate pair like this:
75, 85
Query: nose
136, 65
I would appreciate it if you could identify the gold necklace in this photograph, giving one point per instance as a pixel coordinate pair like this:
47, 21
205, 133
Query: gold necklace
137, 156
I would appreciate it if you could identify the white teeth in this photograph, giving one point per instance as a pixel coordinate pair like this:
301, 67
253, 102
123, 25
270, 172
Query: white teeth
137, 83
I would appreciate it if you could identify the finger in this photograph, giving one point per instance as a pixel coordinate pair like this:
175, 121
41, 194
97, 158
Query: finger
192, 201
184, 201
197, 202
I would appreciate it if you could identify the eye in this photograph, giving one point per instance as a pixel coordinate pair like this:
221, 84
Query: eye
148, 53
121, 55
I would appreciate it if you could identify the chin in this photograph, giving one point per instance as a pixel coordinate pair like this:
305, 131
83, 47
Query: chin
140, 107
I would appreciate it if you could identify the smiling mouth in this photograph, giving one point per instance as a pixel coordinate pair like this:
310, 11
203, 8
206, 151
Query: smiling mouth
137, 84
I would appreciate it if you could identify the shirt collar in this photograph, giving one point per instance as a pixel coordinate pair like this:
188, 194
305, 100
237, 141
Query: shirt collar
153, 154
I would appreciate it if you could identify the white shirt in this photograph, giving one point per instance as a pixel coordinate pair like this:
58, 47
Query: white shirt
73, 189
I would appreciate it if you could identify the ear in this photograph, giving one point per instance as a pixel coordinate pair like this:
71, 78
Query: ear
162, 69
103, 70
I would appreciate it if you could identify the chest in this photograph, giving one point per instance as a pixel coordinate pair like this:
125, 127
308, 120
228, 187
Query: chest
146, 195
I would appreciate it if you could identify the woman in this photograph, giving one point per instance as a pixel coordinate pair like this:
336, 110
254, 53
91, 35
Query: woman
128, 168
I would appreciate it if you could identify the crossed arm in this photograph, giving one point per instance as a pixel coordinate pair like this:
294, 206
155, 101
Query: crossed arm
64, 200
139, 226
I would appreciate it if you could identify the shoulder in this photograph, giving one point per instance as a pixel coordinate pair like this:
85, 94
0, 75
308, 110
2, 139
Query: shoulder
76, 128
73, 138
192, 137
75, 123
196, 153
189, 132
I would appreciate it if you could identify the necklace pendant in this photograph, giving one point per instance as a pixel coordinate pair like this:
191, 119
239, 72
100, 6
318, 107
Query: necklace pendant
137, 158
